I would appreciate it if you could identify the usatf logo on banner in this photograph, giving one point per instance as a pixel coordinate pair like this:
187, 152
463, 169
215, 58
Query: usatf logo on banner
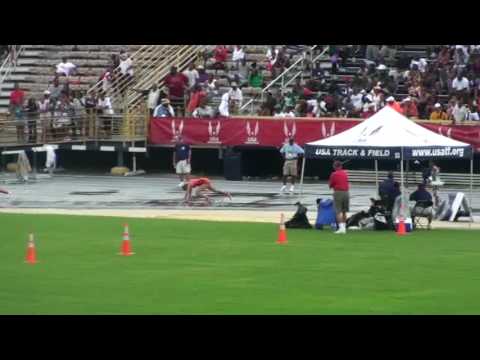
289, 134
214, 133
326, 133
176, 131
252, 135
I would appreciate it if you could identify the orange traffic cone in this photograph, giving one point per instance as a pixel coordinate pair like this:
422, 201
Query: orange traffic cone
282, 234
401, 230
31, 257
126, 247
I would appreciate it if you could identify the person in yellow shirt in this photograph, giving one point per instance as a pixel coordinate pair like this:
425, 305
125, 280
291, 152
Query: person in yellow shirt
438, 113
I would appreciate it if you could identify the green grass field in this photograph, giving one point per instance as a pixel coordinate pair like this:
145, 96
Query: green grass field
193, 267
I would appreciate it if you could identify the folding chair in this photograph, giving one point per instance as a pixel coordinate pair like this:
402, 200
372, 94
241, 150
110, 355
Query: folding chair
422, 215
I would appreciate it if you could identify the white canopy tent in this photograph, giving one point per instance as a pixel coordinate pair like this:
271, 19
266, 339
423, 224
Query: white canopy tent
388, 135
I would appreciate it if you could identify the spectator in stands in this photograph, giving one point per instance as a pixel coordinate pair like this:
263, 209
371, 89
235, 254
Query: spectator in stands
192, 75
290, 99
126, 70
238, 55
461, 86
66, 68
241, 75
212, 87
220, 55
32, 113
378, 97
202, 76
78, 112
17, 100
368, 109
409, 108
177, 84
472, 112
44, 110
267, 108
256, 79
459, 112
224, 107
104, 107
55, 90
114, 61
198, 94
164, 109
272, 55
236, 98
153, 97
438, 113
281, 62
203, 110
394, 105
107, 78
460, 57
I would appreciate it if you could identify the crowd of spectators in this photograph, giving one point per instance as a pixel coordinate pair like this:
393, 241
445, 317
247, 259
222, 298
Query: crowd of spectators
61, 111
356, 82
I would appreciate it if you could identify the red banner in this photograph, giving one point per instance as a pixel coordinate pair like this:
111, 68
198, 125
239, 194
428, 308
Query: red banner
274, 131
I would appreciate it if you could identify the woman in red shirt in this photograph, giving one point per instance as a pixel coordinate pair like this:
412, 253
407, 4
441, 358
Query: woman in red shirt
202, 186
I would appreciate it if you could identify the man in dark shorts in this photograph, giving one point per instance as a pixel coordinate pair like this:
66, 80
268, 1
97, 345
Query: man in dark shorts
341, 197
201, 186
182, 156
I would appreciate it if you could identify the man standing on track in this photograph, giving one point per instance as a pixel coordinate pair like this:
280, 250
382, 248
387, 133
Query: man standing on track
201, 186
341, 197
291, 152
182, 155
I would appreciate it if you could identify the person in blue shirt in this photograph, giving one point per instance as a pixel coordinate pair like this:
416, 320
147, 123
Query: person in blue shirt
182, 157
421, 194
423, 205
388, 190
291, 152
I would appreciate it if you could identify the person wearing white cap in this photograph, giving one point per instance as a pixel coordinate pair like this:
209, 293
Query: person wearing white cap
409, 108
438, 114
164, 109
394, 105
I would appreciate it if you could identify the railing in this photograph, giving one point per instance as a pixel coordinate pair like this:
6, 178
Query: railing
43, 128
282, 77
181, 58
10, 63
119, 83
151, 64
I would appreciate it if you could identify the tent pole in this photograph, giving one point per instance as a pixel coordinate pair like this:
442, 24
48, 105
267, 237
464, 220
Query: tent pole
471, 187
301, 177
376, 177
402, 188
